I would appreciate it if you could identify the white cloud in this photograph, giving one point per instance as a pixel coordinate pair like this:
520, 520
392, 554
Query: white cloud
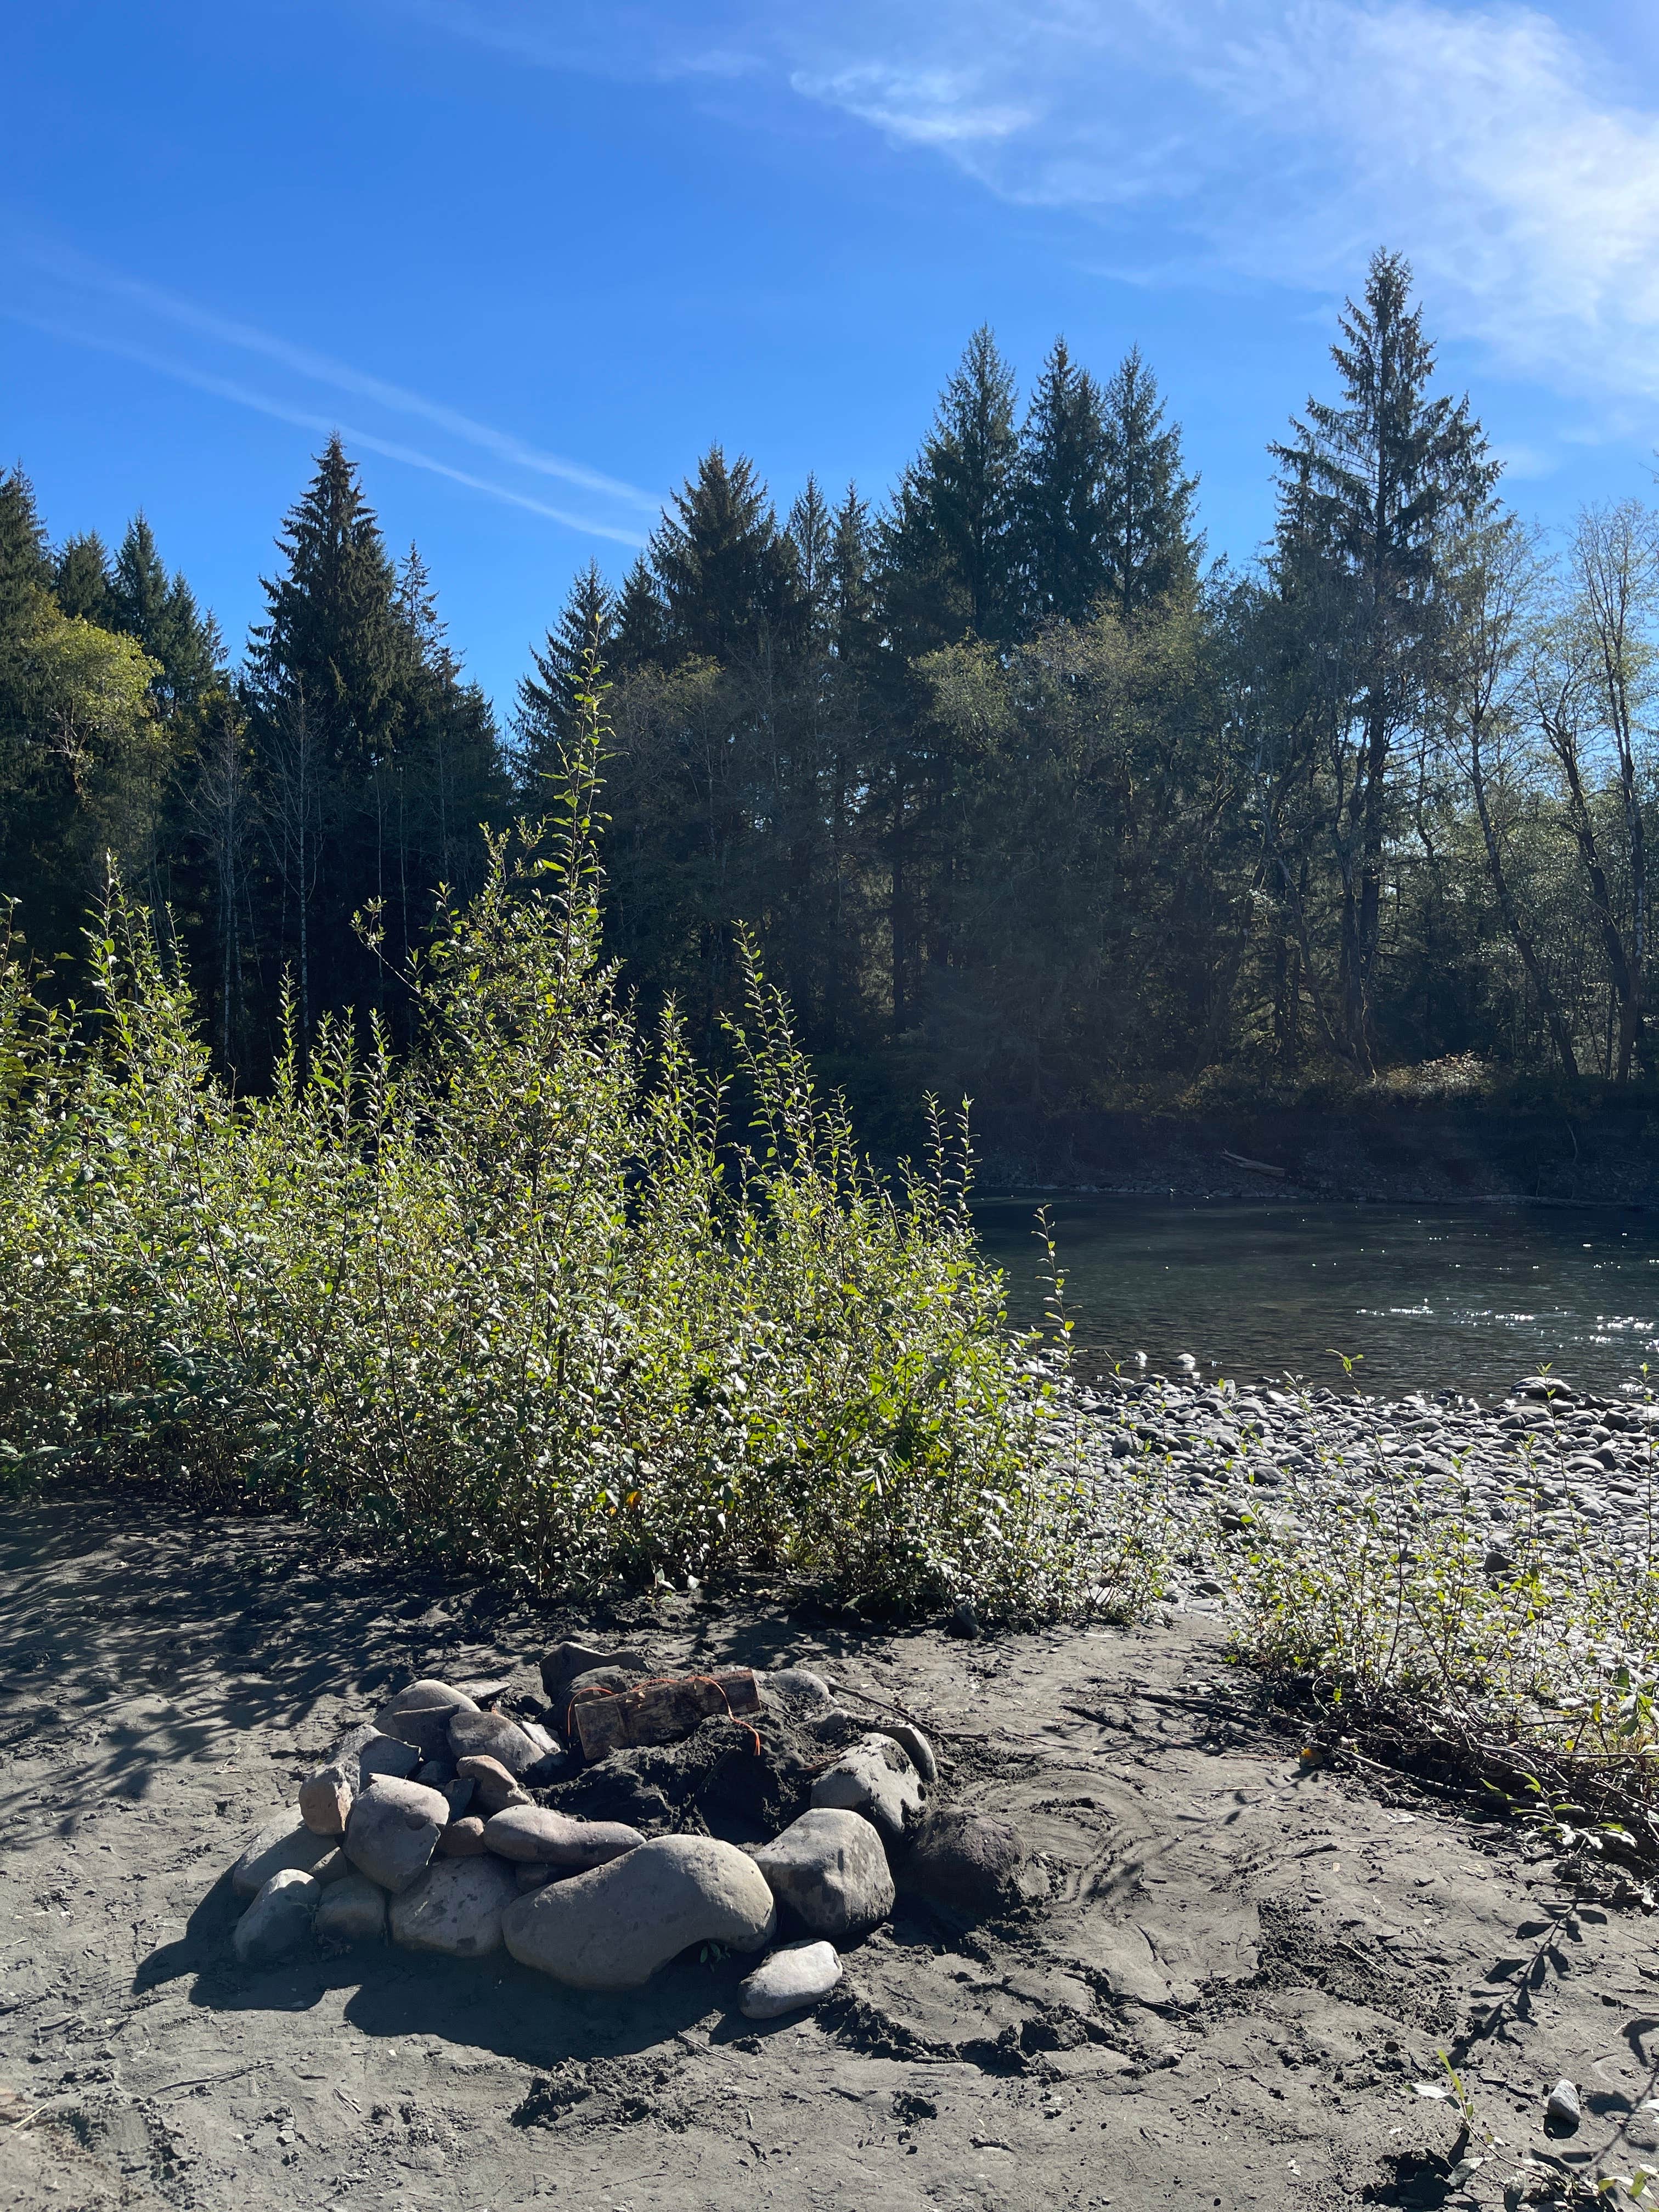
1274, 140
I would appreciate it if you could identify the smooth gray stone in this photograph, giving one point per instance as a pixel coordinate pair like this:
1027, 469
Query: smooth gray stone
455, 1907
351, 1912
566, 1661
535, 1835
279, 1919
282, 1844
393, 1831
969, 1860
492, 1735
372, 1752
1562, 2110
792, 1978
830, 1869
874, 1778
611, 1929
798, 1689
912, 1741
421, 1715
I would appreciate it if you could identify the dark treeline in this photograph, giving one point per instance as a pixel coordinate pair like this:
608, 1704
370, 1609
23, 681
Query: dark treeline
1018, 798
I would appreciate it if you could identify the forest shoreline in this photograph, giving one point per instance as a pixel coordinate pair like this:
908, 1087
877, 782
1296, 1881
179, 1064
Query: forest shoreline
1392, 1152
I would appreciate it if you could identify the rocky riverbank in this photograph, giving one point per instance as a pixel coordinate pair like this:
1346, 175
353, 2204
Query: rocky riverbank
1545, 1460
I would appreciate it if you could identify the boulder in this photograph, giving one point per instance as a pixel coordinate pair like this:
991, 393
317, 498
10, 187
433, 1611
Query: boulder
495, 1737
325, 1800
798, 1689
463, 1839
874, 1778
455, 1907
562, 1665
279, 1919
792, 1978
283, 1845
830, 1869
530, 1833
972, 1861
351, 1912
385, 1754
612, 1928
421, 1715
493, 1788
393, 1831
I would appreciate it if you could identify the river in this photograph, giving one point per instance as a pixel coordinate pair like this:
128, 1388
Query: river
1465, 1298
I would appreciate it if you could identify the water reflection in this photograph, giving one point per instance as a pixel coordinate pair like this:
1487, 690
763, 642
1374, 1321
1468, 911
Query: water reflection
1465, 1298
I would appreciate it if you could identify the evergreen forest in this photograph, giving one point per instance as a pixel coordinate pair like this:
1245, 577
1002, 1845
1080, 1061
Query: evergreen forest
1018, 794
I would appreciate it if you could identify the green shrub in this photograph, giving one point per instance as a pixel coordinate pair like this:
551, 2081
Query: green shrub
522, 1301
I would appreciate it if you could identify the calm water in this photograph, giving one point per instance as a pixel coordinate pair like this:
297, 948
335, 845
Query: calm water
1449, 1297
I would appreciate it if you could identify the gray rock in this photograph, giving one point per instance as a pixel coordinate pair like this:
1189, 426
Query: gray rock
386, 1754
458, 1794
493, 1788
612, 1929
463, 1839
830, 1869
279, 1919
393, 1831
797, 1689
455, 1907
435, 1773
913, 1741
874, 1778
969, 1860
421, 1715
1562, 2111
552, 1759
351, 1912
326, 1800
283, 1845
530, 1833
531, 1874
792, 1978
494, 1736
562, 1665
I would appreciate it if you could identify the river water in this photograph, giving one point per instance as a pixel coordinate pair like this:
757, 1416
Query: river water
1464, 1299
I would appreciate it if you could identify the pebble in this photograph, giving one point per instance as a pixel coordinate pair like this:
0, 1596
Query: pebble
463, 1839
493, 1788
792, 1978
533, 1832
455, 1908
614, 1926
279, 1919
830, 1869
1561, 2108
284, 1844
351, 1912
875, 1778
393, 1831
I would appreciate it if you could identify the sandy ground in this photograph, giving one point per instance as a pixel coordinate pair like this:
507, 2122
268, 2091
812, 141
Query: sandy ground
1240, 1966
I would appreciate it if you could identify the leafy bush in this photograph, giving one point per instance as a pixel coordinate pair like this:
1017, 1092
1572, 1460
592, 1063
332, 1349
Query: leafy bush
522, 1300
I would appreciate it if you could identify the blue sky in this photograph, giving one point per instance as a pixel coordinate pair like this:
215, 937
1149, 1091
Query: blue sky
531, 258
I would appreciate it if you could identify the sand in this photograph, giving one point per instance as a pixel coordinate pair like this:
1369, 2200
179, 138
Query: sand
1236, 1970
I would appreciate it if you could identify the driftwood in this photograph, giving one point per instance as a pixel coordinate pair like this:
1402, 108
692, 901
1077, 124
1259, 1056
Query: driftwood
1256, 1167
664, 1711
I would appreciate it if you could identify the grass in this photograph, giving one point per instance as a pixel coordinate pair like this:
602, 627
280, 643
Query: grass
525, 1301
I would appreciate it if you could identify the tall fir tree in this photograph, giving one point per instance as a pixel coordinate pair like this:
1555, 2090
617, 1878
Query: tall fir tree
727, 574
25, 562
1367, 487
948, 536
1060, 521
161, 613
1150, 547
640, 635
80, 579
544, 709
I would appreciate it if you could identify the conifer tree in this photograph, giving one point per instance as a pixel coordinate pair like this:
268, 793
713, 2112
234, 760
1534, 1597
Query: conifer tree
545, 709
161, 613
725, 572
81, 579
1367, 486
1060, 523
811, 530
1150, 548
948, 538
640, 638
25, 565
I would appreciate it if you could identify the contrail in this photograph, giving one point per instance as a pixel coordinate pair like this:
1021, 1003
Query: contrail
241, 395
322, 369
